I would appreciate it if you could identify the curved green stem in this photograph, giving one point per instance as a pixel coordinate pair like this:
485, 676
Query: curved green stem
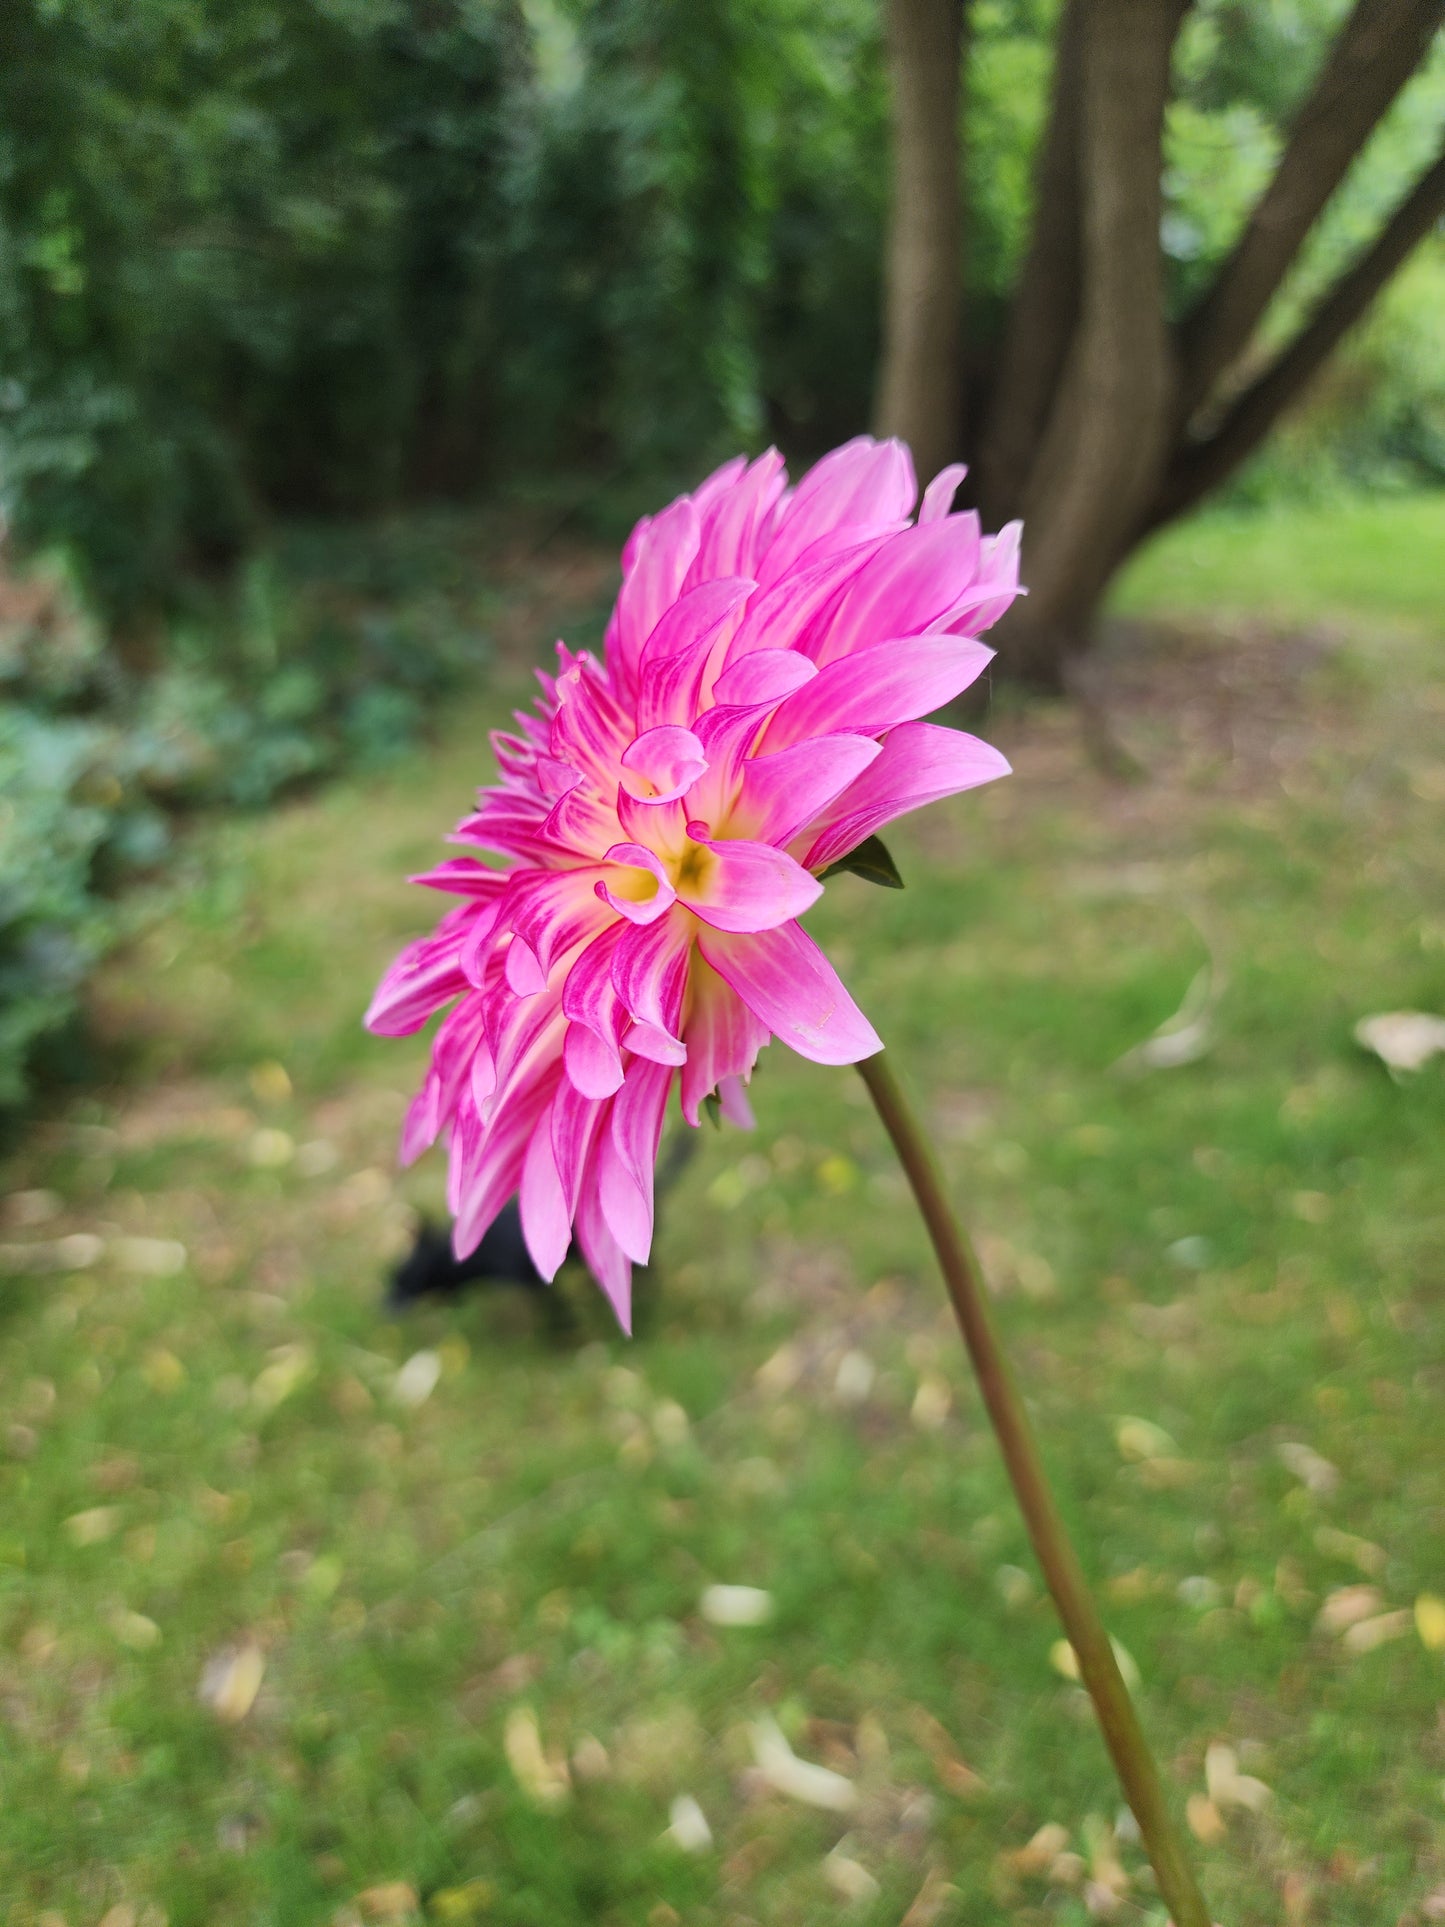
1098, 1667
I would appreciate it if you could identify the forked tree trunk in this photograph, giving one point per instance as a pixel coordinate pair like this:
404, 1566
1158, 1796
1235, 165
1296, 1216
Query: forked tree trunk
1105, 439
1100, 419
918, 396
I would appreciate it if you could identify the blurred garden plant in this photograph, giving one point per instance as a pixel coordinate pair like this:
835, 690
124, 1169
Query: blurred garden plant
630, 893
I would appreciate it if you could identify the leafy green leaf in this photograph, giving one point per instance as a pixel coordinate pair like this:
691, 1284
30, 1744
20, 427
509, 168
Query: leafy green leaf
712, 1104
871, 861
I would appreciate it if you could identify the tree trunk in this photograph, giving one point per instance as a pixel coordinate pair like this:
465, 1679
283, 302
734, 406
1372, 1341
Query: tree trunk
1045, 306
1102, 421
1101, 456
919, 390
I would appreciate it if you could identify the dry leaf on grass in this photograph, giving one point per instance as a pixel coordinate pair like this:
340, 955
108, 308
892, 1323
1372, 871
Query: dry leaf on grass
1430, 1622
1366, 1634
1346, 1606
231, 1681
1228, 1787
150, 1257
1364, 1553
544, 1780
1206, 1822
1404, 1040
932, 1402
418, 1379
687, 1826
94, 1526
1039, 1853
1186, 1036
467, 1902
290, 1368
1139, 1439
136, 1631
1065, 1662
853, 1380
930, 1902
814, 1786
736, 1605
848, 1877
392, 1900
1316, 1474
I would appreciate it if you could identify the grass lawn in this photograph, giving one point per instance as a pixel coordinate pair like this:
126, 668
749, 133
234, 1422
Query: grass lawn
308, 1614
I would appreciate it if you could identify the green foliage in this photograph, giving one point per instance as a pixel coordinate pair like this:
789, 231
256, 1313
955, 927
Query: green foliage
332, 654
259, 257
872, 861
250, 259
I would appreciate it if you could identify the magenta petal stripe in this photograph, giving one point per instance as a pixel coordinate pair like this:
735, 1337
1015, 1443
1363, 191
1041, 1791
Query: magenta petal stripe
627, 889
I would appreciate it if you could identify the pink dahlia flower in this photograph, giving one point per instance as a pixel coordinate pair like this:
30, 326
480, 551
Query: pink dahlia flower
630, 889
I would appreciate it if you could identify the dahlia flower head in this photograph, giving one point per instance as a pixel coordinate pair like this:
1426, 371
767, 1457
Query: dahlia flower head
629, 889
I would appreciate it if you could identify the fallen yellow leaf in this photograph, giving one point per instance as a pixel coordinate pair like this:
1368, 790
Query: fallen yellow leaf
231, 1682
1430, 1622
1206, 1822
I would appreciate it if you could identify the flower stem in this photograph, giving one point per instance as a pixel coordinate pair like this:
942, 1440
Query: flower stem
1123, 1734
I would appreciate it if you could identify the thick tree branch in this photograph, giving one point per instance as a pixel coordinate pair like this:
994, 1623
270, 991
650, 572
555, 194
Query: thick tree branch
1375, 54
1045, 305
918, 395
1203, 466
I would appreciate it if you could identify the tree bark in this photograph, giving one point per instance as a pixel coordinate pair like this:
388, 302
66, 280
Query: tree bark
1199, 468
1104, 449
1045, 306
919, 386
1380, 46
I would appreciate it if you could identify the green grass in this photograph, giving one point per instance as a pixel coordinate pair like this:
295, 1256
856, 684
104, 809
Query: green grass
1360, 563
1246, 1253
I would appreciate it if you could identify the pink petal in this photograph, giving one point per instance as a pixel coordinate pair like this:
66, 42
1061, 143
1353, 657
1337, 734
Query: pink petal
938, 496
733, 1102
657, 561
656, 1045
862, 482
748, 886
596, 1016
778, 794
765, 676
731, 517
786, 616
679, 652
588, 996
524, 972
661, 764
606, 1259
593, 1062
463, 876
893, 682
997, 588
649, 971
920, 763
575, 1121
546, 1221
907, 588
627, 1164
632, 858
486, 1169
723, 1038
425, 976
787, 982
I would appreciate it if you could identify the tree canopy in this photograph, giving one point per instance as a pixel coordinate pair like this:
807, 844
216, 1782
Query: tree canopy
261, 257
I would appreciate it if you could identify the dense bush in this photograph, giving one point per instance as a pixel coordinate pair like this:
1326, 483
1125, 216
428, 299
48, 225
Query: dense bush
331, 652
